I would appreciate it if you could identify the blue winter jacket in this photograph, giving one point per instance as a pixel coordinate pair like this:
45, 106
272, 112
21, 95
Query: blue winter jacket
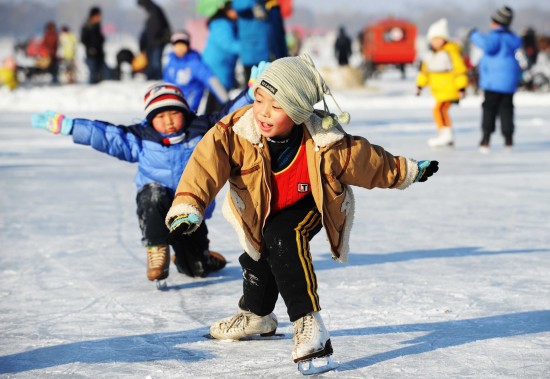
158, 160
190, 74
254, 31
222, 50
499, 70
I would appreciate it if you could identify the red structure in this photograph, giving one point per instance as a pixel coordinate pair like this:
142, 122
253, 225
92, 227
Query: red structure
389, 41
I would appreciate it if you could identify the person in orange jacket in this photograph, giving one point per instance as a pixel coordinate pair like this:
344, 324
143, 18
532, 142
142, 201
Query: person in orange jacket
445, 72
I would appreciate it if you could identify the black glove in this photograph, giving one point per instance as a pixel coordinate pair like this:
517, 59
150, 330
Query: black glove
426, 169
182, 224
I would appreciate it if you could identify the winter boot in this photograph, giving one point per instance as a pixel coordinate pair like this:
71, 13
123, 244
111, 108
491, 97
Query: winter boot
311, 338
444, 138
244, 324
158, 262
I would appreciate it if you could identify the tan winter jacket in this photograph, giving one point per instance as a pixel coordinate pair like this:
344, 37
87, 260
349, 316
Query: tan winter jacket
235, 151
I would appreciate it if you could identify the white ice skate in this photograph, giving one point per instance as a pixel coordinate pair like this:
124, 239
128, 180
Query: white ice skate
444, 138
312, 345
244, 324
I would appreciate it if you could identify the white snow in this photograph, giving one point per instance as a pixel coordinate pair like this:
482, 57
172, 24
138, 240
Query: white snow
447, 279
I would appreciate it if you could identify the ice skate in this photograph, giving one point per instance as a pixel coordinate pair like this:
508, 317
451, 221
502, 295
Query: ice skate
158, 263
244, 324
200, 266
312, 346
483, 149
444, 138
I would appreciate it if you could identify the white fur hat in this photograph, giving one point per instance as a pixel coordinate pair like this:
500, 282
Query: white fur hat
439, 29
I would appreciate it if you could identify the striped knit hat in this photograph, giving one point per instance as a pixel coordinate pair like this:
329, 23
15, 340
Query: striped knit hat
297, 86
162, 97
503, 16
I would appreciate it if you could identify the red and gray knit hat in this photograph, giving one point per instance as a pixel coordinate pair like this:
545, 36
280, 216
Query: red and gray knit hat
162, 97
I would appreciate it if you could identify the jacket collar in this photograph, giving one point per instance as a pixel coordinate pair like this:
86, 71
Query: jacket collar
247, 128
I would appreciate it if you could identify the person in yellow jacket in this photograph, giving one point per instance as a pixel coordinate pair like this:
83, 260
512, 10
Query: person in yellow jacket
68, 44
8, 74
290, 170
444, 71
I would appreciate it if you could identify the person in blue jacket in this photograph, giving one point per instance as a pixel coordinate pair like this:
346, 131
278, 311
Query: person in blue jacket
254, 33
222, 48
161, 145
499, 75
187, 70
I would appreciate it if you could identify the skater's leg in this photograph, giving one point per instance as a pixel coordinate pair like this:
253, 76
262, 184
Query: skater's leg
443, 122
260, 290
255, 306
286, 248
506, 111
490, 109
153, 202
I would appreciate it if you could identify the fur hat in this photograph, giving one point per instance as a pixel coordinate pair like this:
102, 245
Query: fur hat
162, 97
439, 28
181, 36
297, 86
503, 16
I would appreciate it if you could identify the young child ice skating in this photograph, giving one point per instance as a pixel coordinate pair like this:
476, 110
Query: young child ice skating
444, 71
499, 76
161, 145
289, 169
186, 69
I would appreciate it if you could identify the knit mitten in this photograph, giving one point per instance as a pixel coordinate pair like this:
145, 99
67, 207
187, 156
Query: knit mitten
53, 122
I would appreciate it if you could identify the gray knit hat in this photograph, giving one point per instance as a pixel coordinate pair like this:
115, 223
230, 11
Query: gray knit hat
503, 16
297, 86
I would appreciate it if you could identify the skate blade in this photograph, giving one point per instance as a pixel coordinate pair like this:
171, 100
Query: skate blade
254, 337
161, 285
317, 365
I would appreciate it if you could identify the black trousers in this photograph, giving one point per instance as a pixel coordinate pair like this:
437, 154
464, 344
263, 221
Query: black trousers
153, 202
286, 266
501, 104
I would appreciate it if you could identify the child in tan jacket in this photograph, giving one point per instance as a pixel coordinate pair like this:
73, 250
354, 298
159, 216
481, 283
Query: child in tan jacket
290, 169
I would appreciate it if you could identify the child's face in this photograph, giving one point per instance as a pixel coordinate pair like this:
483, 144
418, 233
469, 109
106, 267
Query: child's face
180, 49
437, 43
270, 117
168, 122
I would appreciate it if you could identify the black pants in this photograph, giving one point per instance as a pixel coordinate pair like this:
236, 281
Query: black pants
153, 202
286, 266
501, 104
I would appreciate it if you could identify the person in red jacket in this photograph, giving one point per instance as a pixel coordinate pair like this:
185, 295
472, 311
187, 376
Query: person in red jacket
50, 42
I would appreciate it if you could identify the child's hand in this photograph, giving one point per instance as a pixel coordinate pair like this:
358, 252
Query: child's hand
462, 93
254, 74
53, 122
418, 91
183, 224
426, 169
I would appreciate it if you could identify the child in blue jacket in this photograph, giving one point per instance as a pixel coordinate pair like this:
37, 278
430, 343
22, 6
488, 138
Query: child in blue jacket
161, 145
499, 75
186, 69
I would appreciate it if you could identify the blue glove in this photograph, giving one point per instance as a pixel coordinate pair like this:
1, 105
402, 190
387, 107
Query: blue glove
254, 74
53, 122
426, 169
182, 224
